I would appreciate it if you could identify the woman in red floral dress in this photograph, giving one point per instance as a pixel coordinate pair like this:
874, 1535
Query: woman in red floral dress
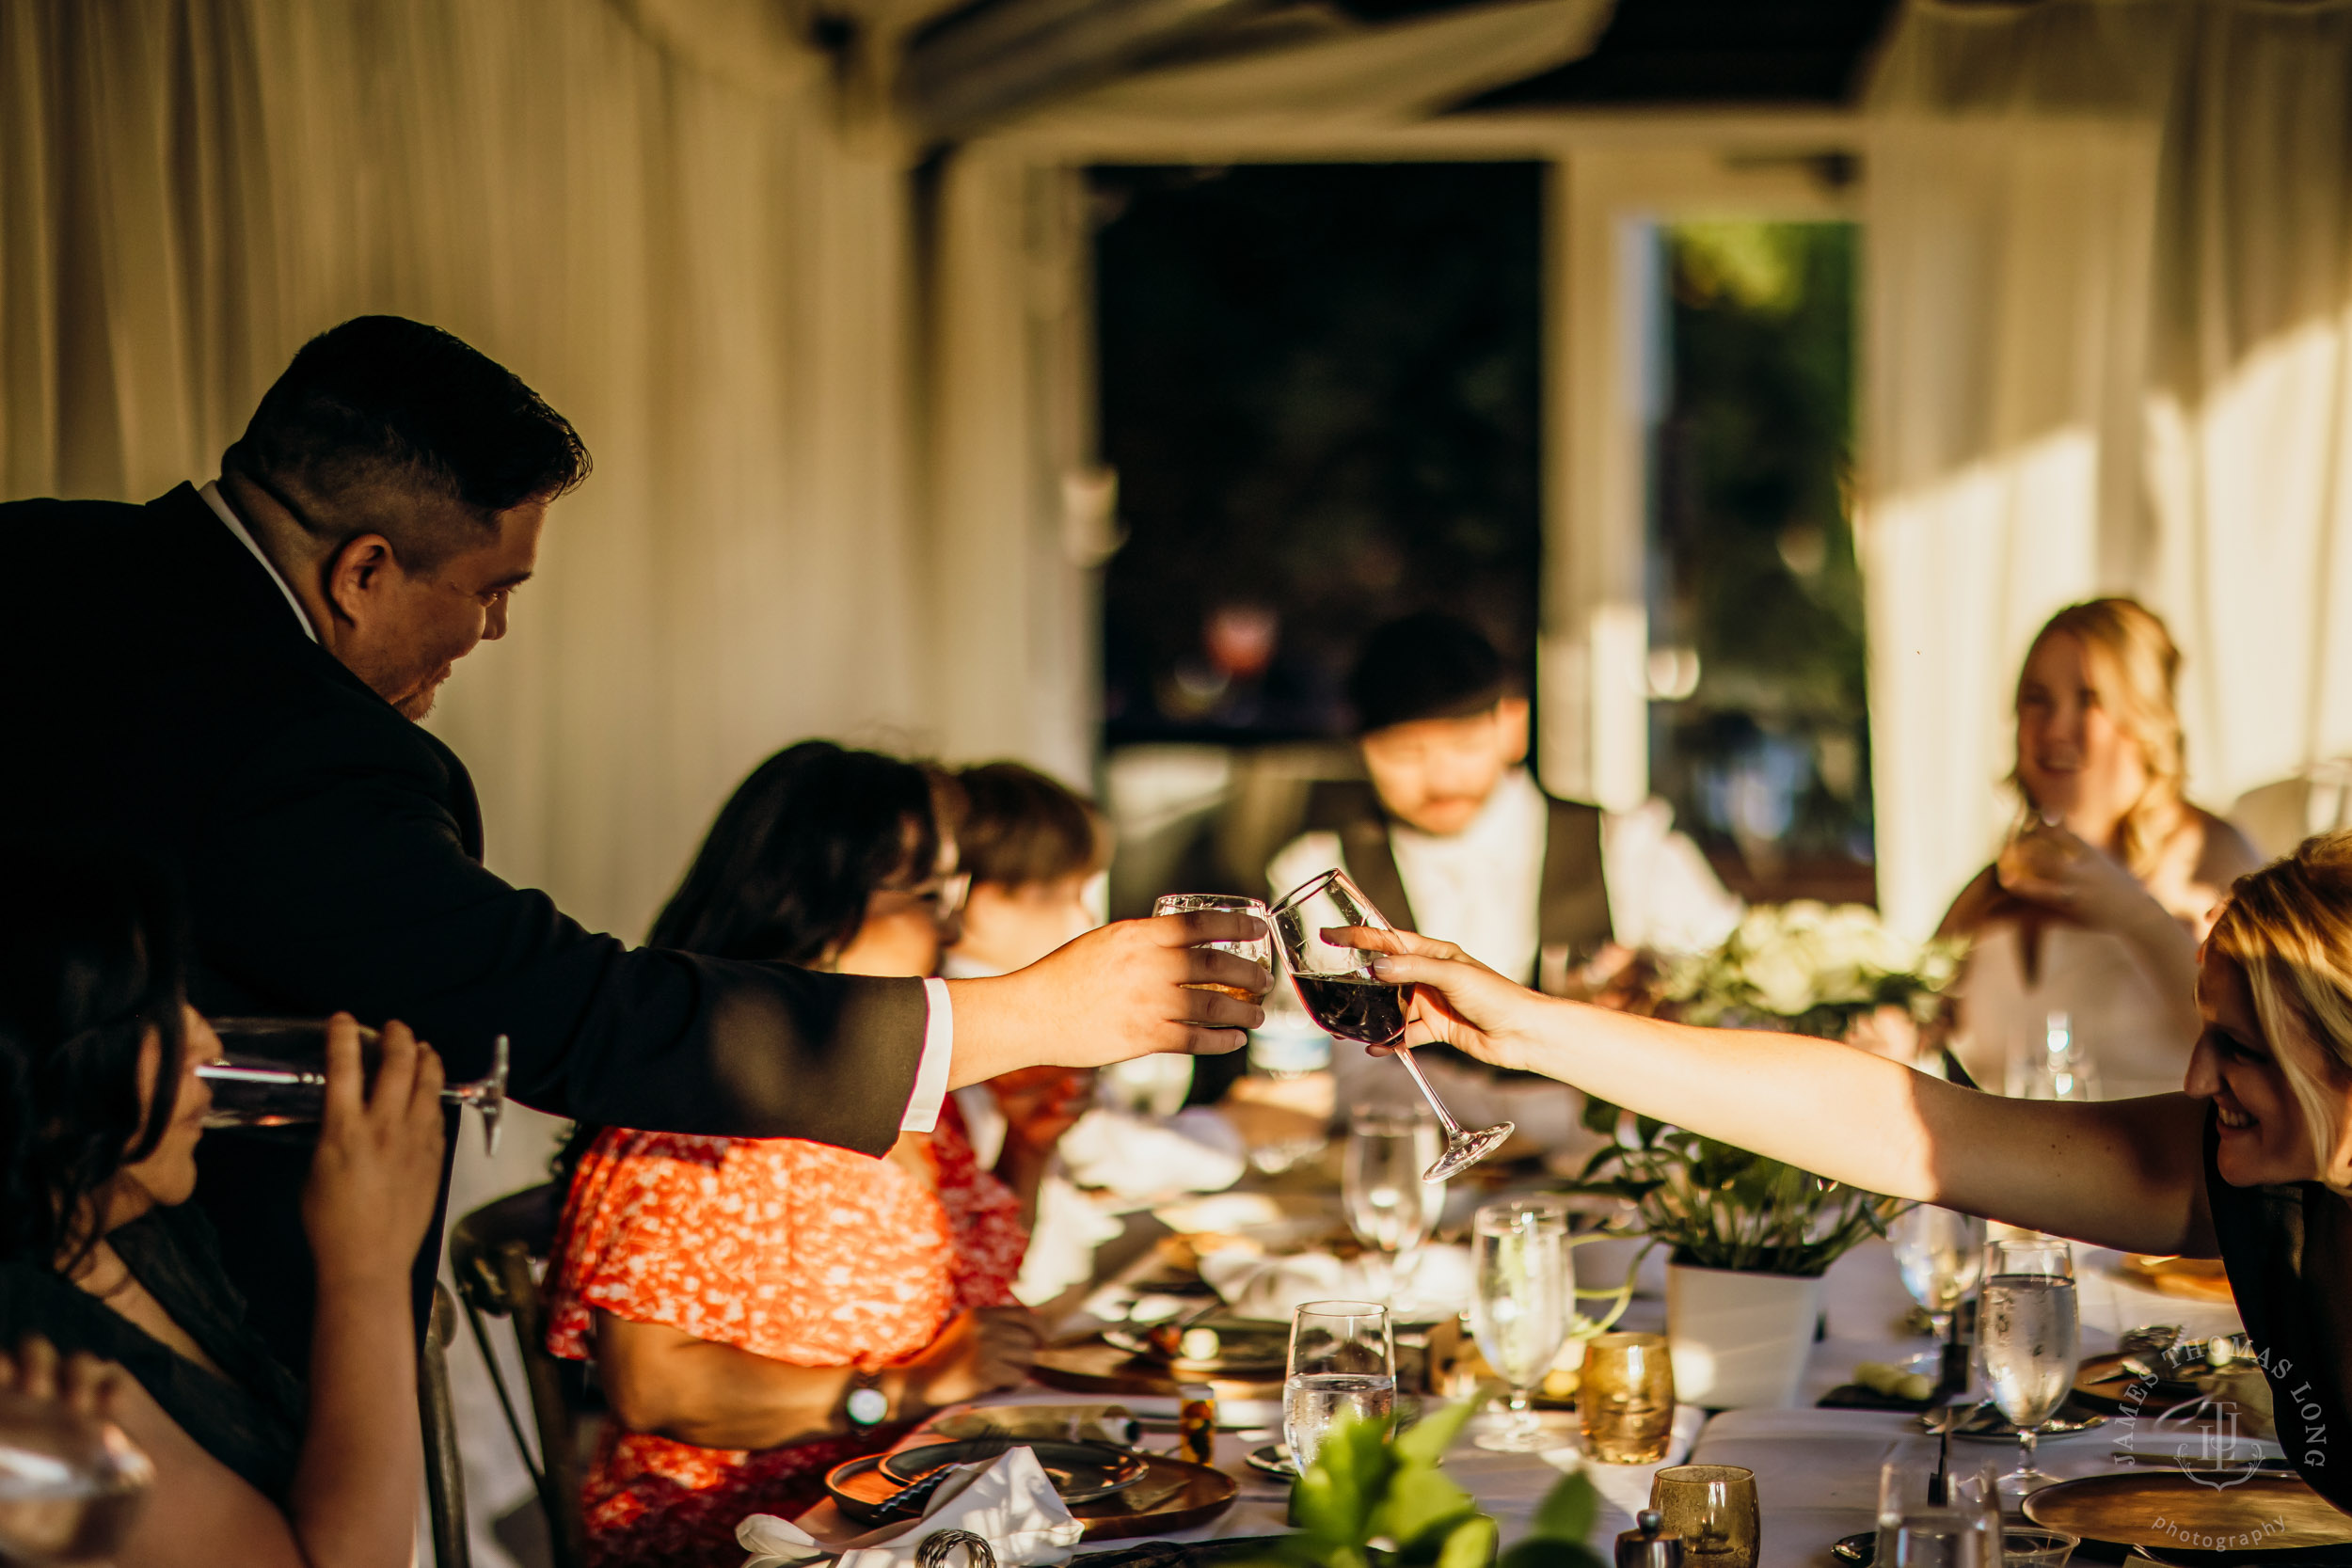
741, 1296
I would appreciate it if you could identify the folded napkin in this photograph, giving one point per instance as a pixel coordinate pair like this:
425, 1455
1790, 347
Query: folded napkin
1192, 1151
1008, 1502
1435, 1282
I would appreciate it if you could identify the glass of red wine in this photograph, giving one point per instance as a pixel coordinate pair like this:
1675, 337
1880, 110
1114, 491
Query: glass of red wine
272, 1072
1348, 1000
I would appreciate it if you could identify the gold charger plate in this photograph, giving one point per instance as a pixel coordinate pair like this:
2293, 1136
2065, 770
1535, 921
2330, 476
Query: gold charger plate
1172, 1494
1085, 1365
2178, 1519
2190, 1278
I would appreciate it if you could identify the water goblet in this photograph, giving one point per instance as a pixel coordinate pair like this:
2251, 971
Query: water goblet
1521, 1309
2029, 1337
1343, 1363
1390, 1209
1350, 1001
1940, 1254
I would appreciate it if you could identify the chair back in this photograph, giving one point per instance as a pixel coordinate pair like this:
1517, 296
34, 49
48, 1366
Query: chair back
491, 1251
444, 1468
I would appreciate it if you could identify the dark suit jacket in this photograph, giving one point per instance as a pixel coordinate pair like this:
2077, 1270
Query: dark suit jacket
162, 692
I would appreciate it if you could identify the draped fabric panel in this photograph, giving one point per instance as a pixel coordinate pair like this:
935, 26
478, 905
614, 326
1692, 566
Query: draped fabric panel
2107, 275
704, 271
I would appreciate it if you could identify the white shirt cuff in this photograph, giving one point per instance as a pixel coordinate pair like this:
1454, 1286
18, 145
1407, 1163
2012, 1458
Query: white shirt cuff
939, 1051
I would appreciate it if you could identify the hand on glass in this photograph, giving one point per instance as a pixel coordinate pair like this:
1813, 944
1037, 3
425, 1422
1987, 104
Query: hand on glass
377, 1177
1456, 1000
2048, 864
1130, 989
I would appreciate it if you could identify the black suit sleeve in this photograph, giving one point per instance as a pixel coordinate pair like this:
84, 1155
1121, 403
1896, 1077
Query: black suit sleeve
348, 882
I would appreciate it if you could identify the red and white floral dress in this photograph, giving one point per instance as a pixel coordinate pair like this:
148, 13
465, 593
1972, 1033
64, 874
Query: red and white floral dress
798, 1251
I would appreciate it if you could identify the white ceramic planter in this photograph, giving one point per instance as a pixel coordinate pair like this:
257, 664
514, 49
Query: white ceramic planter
1740, 1341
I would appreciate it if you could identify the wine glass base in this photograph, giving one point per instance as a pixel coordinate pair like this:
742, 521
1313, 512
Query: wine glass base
2019, 1483
1463, 1150
1531, 1439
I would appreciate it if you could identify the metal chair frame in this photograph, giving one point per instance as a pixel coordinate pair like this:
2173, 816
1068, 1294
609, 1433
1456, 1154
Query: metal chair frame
491, 1252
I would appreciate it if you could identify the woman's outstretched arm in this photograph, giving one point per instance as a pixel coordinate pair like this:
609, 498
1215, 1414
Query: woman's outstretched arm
2124, 1174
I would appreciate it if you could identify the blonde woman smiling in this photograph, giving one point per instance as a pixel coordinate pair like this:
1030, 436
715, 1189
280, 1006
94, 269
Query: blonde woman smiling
2094, 908
2252, 1163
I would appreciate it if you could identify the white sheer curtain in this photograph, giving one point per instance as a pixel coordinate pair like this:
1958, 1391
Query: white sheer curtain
2108, 268
705, 275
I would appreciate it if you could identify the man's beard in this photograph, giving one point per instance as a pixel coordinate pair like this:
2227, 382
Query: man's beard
414, 706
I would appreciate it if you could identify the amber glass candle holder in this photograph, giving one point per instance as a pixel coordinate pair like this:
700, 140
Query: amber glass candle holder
1626, 1399
1713, 1508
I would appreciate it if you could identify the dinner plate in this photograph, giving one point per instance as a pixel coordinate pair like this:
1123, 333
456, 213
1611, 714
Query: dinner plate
1081, 1472
1275, 1459
2105, 1382
1989, 1425
2186, 1519
1245, 1348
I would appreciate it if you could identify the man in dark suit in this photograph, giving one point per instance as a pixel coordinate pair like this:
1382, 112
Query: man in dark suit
230, 676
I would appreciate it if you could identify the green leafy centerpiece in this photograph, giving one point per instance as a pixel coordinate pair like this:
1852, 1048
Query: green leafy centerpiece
1377, 1497
1749, 1238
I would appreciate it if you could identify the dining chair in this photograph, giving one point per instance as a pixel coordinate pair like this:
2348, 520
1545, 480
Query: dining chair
492, 1252
444, 1468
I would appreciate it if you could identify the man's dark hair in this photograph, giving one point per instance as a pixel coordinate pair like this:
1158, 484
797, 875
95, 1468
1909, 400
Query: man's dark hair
1021, 827
1425, 666
381, 409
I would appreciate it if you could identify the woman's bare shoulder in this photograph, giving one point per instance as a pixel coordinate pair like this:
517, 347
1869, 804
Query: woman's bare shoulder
199, 1510
1977, 903
2223, 852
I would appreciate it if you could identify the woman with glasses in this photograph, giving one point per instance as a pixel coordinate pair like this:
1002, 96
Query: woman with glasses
762, 1310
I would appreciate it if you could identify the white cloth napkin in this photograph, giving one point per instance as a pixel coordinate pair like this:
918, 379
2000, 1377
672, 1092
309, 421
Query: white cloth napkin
1195, 1151
1007, 1503
1433, 1283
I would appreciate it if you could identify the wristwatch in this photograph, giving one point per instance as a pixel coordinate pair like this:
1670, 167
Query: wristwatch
867, 1404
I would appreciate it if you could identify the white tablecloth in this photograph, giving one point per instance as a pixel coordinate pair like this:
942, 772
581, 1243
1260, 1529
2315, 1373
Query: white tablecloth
1816, 1470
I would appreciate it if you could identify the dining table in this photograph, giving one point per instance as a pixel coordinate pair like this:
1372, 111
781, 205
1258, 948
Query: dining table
1816, 1469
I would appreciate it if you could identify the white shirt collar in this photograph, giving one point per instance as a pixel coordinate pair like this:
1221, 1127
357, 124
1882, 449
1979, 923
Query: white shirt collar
214, 499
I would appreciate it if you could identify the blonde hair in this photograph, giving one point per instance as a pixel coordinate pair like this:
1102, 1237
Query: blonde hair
2134, 666
2288, 928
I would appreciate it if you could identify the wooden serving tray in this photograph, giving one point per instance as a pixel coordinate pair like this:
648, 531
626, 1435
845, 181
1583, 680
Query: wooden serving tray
2178, 1519
1173, 1495
1085, 1365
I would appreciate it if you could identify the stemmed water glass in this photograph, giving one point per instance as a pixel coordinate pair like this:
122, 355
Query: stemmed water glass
1940, 1254
1521, 1309
272, 1072
2029, 1334
1343, 1362
1389, 1206
1349, 1000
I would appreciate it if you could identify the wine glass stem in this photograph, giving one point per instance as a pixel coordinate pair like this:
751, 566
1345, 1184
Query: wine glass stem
2025, 1439
1445, 1118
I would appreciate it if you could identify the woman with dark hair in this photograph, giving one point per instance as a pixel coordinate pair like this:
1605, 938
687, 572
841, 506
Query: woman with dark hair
761, 1310
99, 1115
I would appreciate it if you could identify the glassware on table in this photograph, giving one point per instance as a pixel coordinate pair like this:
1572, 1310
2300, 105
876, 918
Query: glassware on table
1348, 1000
1713, 1508
1625, 1400
1258, 950
272, 1072
69, 1487
1521, 1301
2032, 1547
1932, 1519
1154, 1085
2029, 1338
1389, 1206
1343, 1362
1941, 1255
2062, 1069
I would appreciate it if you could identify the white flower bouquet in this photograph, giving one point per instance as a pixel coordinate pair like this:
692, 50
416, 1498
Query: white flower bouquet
1810, 969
